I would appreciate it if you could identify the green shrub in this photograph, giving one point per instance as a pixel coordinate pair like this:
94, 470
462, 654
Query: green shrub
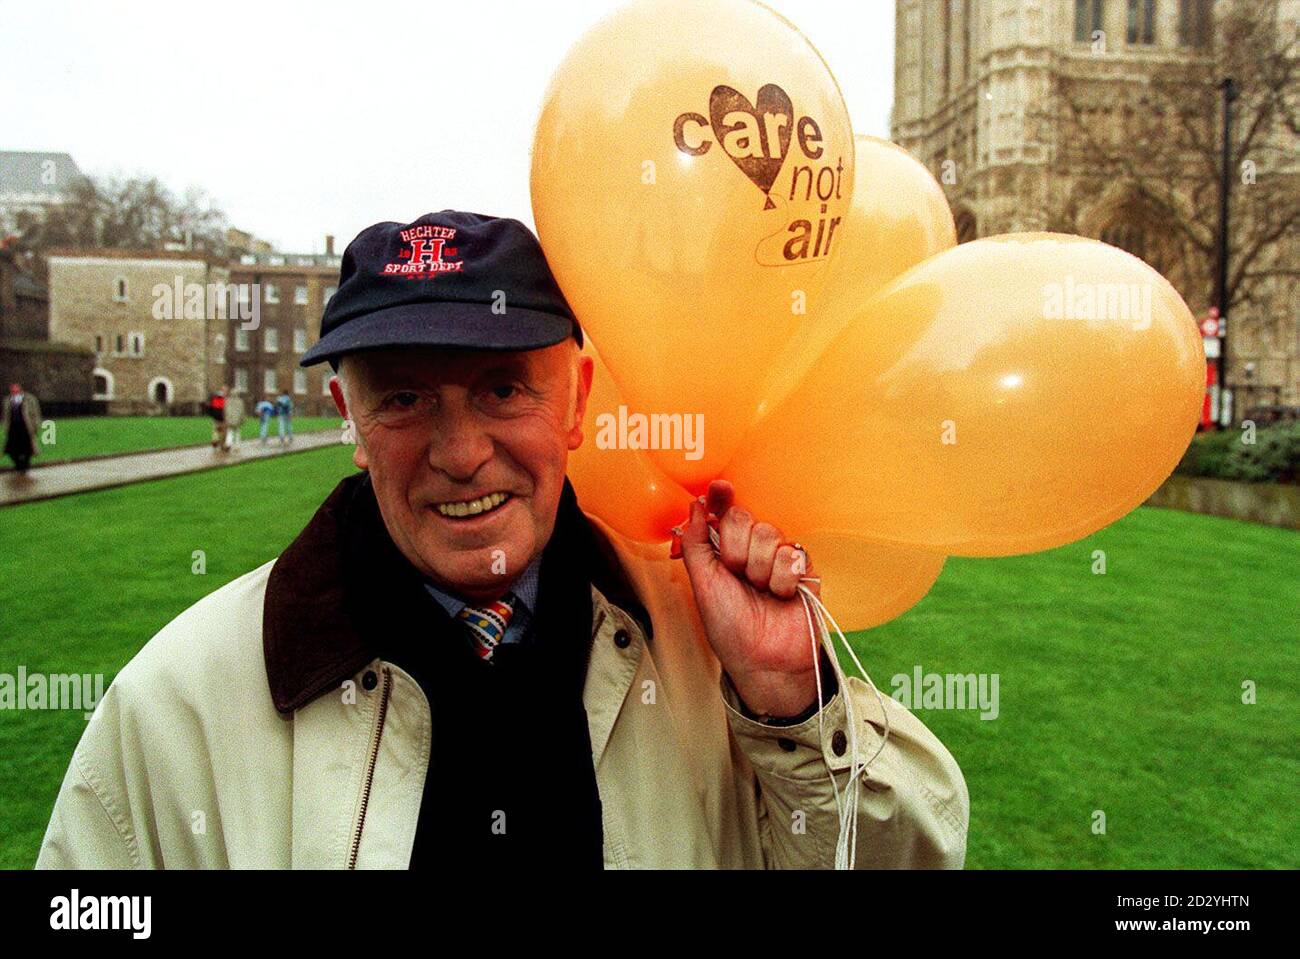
1274, 457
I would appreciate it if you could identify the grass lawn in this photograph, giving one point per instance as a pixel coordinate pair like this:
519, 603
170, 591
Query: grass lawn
82, 436
1118, 692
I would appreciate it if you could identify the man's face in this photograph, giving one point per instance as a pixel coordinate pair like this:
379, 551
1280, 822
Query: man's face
467, 452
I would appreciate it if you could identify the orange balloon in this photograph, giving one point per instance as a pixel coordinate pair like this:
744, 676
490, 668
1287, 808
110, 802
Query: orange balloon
865, 584
1006, 396
899, 217
615, 481
692, 168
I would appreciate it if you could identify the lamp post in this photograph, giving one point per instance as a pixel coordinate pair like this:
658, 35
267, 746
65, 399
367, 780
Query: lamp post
1229, 89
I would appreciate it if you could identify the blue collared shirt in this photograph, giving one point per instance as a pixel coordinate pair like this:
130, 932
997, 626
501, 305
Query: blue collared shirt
524, 590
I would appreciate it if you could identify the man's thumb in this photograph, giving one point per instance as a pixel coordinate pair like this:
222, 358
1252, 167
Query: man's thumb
697, 550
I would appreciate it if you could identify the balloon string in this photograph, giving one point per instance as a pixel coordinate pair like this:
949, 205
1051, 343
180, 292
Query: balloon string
846, 844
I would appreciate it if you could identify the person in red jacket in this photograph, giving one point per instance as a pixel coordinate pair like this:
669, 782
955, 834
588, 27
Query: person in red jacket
217, 409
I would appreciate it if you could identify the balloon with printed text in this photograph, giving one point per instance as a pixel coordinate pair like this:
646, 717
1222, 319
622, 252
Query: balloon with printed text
692, 167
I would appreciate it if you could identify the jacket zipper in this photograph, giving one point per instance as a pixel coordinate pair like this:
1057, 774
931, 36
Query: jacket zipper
370, 767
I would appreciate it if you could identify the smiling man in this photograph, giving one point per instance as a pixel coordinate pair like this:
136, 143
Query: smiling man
453, 666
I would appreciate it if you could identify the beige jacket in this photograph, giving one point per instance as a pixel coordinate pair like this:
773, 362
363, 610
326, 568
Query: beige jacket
200, 756
234, 416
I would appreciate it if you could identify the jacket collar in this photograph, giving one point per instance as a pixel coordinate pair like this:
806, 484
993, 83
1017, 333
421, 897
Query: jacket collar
321, 609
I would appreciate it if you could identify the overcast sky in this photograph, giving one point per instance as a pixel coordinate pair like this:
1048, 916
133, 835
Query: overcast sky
302, 119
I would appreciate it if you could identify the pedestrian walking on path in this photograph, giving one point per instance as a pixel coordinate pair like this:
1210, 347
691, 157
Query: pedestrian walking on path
217, 409
284, 409
234, 422
22, 423
265, 409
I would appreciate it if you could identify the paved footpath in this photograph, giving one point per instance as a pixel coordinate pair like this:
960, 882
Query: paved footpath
63, 479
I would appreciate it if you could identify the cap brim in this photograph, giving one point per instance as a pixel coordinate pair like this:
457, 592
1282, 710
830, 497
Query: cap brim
466, 326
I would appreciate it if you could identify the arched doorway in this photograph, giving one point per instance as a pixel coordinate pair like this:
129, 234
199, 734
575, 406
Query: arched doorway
160, 391
1137, 226
102, 388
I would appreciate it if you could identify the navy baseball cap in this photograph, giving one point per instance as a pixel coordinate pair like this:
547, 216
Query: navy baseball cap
449, 279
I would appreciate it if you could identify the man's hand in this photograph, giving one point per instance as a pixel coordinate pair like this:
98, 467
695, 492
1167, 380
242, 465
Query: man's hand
748, 600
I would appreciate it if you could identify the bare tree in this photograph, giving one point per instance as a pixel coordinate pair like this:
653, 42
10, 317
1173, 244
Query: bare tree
134, 213
1155, 140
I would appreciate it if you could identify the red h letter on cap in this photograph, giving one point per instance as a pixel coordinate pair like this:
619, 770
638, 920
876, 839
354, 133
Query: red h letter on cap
426, 251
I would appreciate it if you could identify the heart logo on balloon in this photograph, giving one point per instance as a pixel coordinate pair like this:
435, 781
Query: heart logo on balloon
746, 131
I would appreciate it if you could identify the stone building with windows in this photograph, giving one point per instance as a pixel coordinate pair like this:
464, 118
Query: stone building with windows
978, 99
262, 354
156, 322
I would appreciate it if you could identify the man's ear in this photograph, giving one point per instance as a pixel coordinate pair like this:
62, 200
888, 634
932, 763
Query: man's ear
341, 404
586, 372
336, 390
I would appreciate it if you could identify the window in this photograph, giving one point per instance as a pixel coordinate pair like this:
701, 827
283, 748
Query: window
119, 345
135, 344
329, 292
103, 388
1141, 21
219, 348
300, 295
268, 381
1195, 22
241, 380
300, 382
276, 260
271, 341
300, 340
248, 259
272, 293
241, 340
99, 344
120, 290
1087, 19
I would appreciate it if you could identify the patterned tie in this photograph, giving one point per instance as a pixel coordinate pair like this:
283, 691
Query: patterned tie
486, 625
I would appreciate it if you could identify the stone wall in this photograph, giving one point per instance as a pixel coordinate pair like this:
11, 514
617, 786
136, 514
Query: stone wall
55, 373
1272, 504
